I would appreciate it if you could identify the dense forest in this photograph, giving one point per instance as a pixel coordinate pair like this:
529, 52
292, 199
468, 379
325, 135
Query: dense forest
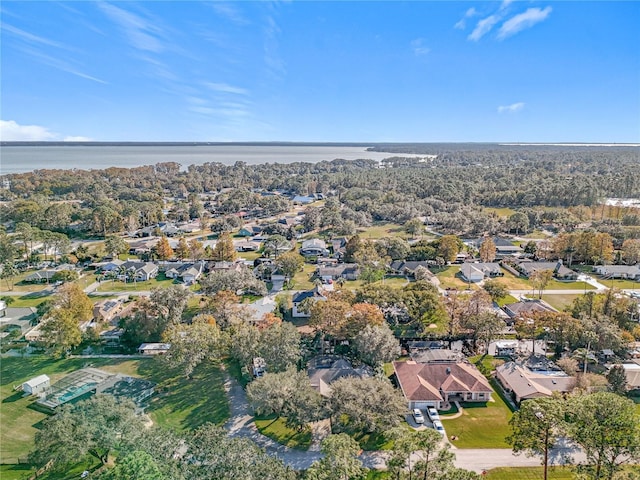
450, 187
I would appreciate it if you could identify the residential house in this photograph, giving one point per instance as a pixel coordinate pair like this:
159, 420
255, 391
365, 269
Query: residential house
476, 272
250, 231
338, 247
41, 276
303, 199
402, 267
316, 294
347, 271
224, 266
107, 310
524, 383
326, 369
154, 348
630, 272
142, 271
506, 348
314, 247
504, 247
515, 310
188, 272
247, 246
437, 384
559, 270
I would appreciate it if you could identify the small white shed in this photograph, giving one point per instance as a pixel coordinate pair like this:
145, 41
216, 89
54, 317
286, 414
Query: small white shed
36, 385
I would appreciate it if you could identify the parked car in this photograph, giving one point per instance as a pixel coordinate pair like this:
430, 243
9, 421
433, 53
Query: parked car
433, 414
437, 424
417, 416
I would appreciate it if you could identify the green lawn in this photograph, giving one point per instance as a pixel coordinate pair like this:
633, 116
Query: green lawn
29, 300
180, 404
382, 230
507, 300
449, 278
184, 404
302, 279
511, 282
19, 422
620, 283
529, 473
482, 425
393, 282
276, 429
501, 212
560, 301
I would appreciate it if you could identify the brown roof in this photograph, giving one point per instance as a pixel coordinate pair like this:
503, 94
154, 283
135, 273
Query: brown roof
529, 384
420, 381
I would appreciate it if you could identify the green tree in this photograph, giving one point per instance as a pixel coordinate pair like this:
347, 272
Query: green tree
448, 247
617, 379
376, 344
290, 263
535, 427
191, 344
196, 250
170, 301
114, 245
495, 289
91, 427
340, 460
607, 428
7, 248
540, 279
279, 346
137, 464
519, 222
368, 405
65, 276
224, 250
413, 227
8, 273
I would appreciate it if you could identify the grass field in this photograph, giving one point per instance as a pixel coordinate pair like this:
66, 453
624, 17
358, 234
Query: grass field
29, 300
179, 404
511, 282
302, 279
382, 230
276, 429
393, 282
529, 473
621, 284
501, 212
449, 278
507, 300
560, 301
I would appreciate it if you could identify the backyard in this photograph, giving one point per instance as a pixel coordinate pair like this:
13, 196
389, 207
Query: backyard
179, 404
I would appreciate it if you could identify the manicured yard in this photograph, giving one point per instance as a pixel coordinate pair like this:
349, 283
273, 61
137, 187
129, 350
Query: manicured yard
393, 282
302, 280
19, 423
449, 278
276, 429
511, 282
620, 283
507, 300
180, 404
560, 301
529, 473
184, 404
483, 425
29, 300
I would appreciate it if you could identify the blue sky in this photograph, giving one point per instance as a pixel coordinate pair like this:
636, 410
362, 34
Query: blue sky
524, 71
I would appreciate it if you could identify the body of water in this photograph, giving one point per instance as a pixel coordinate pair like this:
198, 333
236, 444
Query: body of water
19, 159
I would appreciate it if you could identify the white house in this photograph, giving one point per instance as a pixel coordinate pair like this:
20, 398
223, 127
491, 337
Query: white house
476, 272
314, 246
315, 294
631, 272
36, 385
154, 348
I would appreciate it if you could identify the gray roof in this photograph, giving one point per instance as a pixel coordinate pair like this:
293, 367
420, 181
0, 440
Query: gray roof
529, 384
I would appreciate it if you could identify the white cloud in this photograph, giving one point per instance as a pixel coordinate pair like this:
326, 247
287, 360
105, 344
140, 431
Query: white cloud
483, 27
142, 33
12, 131
419, 49
230, 12
77, 139
462, 23
513, 108
523, 21
31, 38
226, 88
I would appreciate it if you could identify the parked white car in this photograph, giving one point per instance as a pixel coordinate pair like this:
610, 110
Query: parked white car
417, 416
437, 424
